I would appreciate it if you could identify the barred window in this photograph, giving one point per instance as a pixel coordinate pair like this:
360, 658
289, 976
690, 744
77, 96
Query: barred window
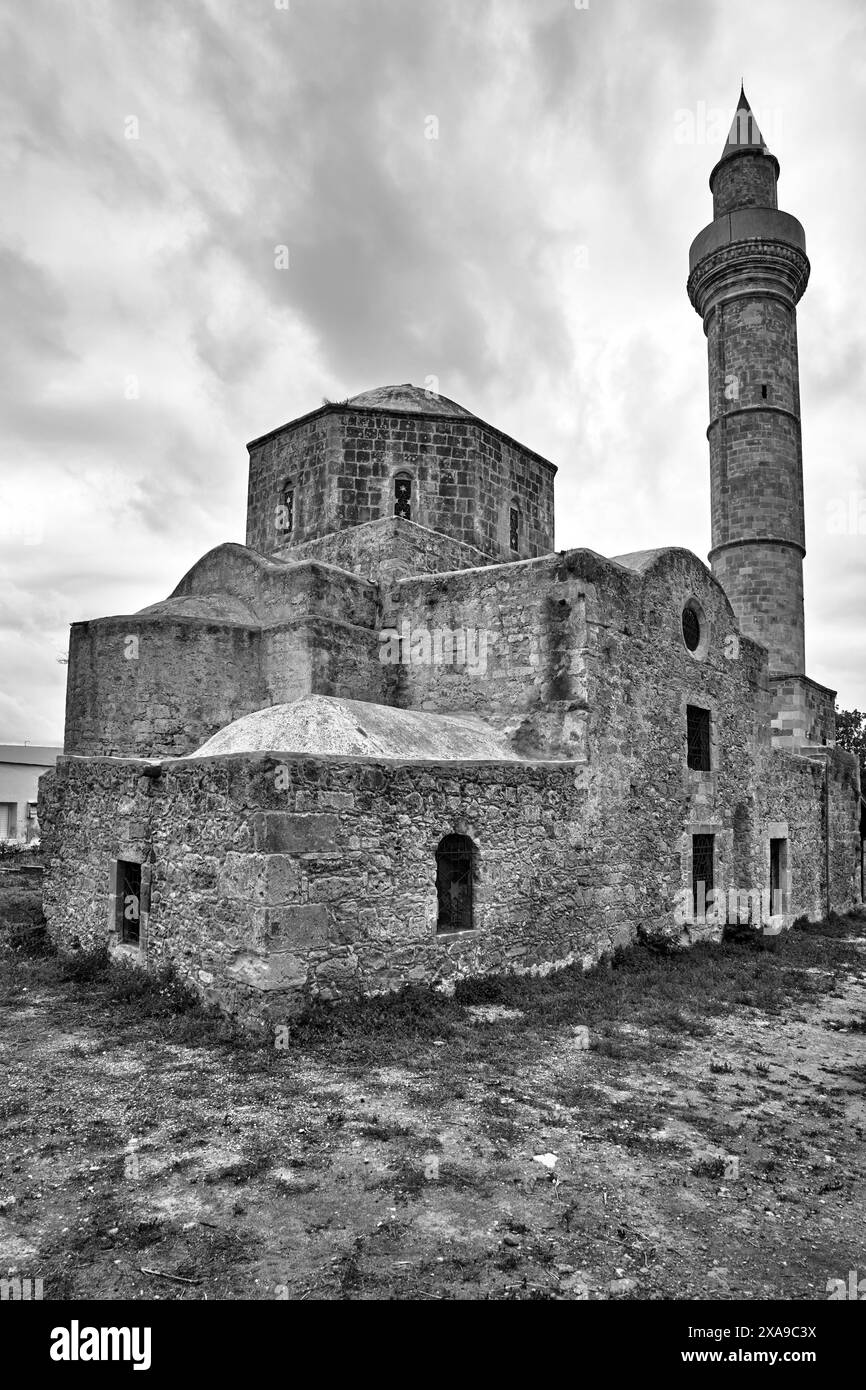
698, 727
286, 509
403, 496
128, 903
702, 872
514, 529
455, 863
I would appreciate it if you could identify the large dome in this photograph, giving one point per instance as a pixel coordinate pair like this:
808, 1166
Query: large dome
323, 724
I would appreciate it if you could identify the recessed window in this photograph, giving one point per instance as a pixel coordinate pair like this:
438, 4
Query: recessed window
778, 876
702, 872
514, 529
691, 629
698, 731
455, 865
128, 903
764, 392
286, 509
403, 496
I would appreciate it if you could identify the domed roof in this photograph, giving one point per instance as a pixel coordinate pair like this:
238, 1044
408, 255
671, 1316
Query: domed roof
408, 397
641, 559
318, 724
213, 608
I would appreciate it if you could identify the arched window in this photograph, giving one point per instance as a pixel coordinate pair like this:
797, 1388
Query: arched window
286, 508
455, 867
514, 527
403, 496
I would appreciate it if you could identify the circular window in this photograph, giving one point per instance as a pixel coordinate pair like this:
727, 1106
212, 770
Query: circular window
691, 629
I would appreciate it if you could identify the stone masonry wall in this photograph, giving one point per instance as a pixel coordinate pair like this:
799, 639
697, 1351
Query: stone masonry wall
752, 356
790, 803
389, 548
844, 811
764, 582
530, 622
756, 469
272, 590
802, 712
465, 477
322, 656
270, 880
814, 794
140, 685
189, 678
579, 651
744, 181
307, 454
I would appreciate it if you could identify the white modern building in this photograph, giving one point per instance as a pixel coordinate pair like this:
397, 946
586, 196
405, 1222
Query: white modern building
21, 766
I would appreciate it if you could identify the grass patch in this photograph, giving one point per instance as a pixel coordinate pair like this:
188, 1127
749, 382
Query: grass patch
142, 994
150, 992
27, 939
84, 966
578, 1095
668, 993
836, 926
406, 1179
415, 1014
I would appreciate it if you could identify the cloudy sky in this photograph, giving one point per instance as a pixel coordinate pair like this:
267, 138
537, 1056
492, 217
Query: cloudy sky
532, 257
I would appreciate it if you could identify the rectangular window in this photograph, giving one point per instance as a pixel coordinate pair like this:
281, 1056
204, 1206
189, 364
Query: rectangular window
403, 498
698, 722
286, 511
514, 529
454, 870
702, 873
128, 903
778, 876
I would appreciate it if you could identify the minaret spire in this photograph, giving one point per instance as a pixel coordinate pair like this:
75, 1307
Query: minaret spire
746, 173
744, 134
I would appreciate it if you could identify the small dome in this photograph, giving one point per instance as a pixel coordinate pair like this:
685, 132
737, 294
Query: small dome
213, 608
408, 397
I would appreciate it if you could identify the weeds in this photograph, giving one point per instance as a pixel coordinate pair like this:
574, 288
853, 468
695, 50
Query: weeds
151, 993
84, 966
384, 1130
29, 940
709, 1168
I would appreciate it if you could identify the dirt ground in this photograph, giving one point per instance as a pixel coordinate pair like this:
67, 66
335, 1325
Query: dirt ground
707, 1143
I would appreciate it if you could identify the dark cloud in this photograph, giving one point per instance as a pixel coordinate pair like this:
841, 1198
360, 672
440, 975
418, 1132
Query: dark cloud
151, 261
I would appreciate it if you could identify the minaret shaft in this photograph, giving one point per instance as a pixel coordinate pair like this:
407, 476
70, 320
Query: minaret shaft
748, 271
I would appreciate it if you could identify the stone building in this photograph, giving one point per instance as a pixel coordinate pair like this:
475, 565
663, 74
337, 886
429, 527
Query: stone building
398, 737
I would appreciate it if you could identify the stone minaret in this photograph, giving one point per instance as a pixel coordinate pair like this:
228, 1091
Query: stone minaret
748, 269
